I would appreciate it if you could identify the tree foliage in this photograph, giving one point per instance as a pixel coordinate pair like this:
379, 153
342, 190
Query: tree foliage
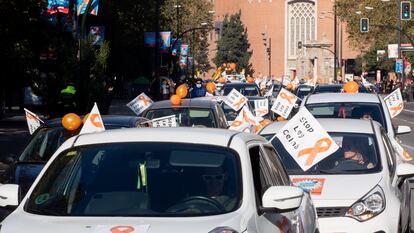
233, 45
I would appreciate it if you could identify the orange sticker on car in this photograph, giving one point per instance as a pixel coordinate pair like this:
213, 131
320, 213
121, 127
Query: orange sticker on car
313, 185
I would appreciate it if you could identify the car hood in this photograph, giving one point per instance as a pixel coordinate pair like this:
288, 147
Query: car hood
21, 221
337, 190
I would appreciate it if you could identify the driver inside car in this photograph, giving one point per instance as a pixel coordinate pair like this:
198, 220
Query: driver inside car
214, 180
353, 152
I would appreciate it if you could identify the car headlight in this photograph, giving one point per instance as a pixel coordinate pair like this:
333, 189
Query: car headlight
369, 206
223, 230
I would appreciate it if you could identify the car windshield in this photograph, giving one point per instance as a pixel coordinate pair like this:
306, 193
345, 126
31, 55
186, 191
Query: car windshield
139, 179
246, 90
357, 154
229, 112
303, 91
366, 111
336, 89
43, 144
186, 117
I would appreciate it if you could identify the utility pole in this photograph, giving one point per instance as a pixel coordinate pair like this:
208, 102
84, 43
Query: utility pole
178, 6
157, 45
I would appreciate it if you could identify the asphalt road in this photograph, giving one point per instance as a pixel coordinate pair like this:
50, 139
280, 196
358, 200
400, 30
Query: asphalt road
406, 117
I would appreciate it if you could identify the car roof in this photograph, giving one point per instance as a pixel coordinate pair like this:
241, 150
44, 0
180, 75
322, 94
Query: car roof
185, 103
252, 98
108, 120
331, 125
219, 137
342, 97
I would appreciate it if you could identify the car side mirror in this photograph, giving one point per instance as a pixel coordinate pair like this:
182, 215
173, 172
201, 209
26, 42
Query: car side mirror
405, 170
282, 198
403, 129
9, 195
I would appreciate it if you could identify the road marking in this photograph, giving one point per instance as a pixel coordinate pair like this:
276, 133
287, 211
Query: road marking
409, 147
408, 110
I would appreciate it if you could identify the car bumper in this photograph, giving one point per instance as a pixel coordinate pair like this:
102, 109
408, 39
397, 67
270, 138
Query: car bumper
381, 223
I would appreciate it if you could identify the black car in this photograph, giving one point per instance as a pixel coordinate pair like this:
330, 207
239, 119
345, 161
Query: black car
196, 112
246, 89
335, 88
303, 90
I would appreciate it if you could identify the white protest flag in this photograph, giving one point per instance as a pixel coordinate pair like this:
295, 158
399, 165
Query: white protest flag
284, 103
163, 122
402, 152
261, 107
244, 120
394, 102
121, 229
94, 122
269, 92
235, 100
305, 140
33, 121
140, 103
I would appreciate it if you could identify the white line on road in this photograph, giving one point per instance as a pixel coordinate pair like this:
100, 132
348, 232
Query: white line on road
409, 147
406, 110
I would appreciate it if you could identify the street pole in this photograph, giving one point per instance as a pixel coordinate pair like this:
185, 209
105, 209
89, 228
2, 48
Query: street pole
178, 17
157, 43
341, 41
270, 56
193, 52
335, 44
400, 76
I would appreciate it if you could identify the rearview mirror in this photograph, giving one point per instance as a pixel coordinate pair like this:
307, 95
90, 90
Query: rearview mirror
282, 198
403, 129
405, 170
9, 195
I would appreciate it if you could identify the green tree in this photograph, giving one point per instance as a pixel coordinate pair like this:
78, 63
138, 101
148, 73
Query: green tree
233, 45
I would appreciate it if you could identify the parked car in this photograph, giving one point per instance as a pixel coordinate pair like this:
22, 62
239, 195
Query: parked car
303, 90
355, 106
359, 188
197, 112
162, 180
24, 169
246, 89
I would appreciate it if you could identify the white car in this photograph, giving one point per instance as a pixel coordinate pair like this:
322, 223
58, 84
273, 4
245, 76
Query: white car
359, 188
161, 180
355, 106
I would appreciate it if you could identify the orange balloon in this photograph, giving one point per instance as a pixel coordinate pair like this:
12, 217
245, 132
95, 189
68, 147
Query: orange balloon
71, 121
265, 122
175, 100
250, 80
210, 87
289, 86
351, 87
280, 118
85, 117
182, 91
222, 80
233, 66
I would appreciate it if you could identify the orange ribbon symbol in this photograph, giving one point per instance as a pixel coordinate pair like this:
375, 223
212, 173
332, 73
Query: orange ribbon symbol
406, 155
286, 97
239, 104
236, 123
397, 108
122, 229
146, 101
247, 119
94, 118
262, 111
313, 151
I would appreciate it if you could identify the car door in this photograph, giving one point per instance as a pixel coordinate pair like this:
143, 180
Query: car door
266, 175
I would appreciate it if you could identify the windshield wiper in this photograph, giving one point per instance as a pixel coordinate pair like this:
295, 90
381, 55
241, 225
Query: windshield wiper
327, 172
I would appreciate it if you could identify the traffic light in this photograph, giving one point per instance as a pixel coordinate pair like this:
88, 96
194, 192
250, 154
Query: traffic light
364, 25
299, 44
405, 10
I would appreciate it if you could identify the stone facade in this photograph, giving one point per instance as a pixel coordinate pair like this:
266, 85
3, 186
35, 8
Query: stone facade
287, 23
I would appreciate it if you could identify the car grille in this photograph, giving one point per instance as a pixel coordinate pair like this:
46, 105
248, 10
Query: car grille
326, 212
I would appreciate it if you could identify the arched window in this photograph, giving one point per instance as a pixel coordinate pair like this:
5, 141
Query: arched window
301, 21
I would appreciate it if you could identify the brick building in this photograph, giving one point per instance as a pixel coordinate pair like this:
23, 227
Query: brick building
288, 23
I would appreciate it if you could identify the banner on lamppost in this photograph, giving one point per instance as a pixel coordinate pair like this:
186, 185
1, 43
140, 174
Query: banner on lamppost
393, 51
81, 7
184, 50
399, 66
407, 67
177, 45
164, 42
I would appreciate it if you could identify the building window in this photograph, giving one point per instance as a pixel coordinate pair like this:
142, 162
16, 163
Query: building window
301, 17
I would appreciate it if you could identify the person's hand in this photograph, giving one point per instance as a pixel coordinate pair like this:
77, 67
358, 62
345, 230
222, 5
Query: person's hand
370, 165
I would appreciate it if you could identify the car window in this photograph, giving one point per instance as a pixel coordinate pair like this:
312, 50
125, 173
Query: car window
221, 115
277, 169
261, 173
250, 91
348, 110
188, 117
390, 153
357, 154
132, 179
43, 144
